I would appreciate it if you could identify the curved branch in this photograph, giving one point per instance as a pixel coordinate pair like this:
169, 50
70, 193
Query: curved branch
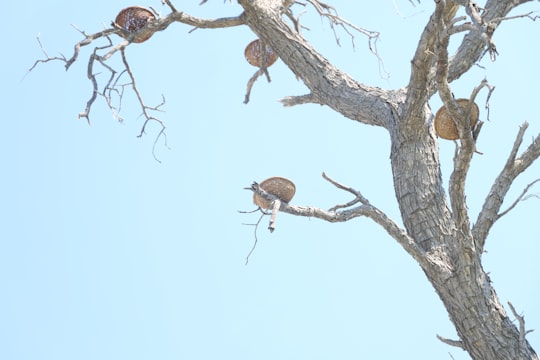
199, 23
464, 154
422, 64
150, 28
358, 197
474, 44
327, 83
145, 109
368, 211
465, 151
330, 12
521, 320
522, 197
513, 167
364, 210
92, 77
87, 41
112, 85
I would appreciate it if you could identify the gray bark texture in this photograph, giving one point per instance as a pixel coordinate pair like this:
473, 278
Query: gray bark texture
438, 232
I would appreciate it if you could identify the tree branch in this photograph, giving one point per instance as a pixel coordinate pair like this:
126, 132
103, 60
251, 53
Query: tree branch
478, 40
475, 44
47, 57
423, 62
326, 82
513, 167
198, 23
521, 197
366, 210
256, 227
521, 320
328, 11
464, 153
263, 70
170, 5
299, 100
456, 343
359, 198
145, 109
88, 40
112, 85
151, 27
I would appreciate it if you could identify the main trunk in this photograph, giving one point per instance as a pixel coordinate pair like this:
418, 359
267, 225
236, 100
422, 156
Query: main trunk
481, 322
455, 268
453, 265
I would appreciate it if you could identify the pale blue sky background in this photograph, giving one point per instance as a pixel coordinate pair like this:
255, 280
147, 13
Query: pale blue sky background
107, 254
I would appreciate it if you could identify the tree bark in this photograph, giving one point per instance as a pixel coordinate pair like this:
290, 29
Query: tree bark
443, 239
437, 231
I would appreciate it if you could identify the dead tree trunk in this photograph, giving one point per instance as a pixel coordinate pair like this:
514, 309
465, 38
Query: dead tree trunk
438, 233
437, 229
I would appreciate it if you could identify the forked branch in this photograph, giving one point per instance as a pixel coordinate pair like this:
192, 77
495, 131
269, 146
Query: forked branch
365, 209
329, 12
462, 119
514, 166
102, 53
358, 197
464, 154
114, 87
521, 319
422, 80
522, 197
478, 41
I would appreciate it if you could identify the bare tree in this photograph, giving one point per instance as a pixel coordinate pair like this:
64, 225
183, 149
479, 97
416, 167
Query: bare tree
438, 232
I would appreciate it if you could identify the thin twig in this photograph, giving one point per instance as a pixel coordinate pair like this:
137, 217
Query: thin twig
254, 233
335, 20
250, 84
170, 5
111, 85
359, 198
330, 12
513, 167
87, 41
144, 107
47, 57
527, 15
521, 320
521, 197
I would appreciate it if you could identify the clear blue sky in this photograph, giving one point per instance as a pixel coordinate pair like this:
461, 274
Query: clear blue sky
107, 254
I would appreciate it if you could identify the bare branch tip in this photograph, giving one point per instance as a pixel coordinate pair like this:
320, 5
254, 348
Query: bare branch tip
521, 320
455, 343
